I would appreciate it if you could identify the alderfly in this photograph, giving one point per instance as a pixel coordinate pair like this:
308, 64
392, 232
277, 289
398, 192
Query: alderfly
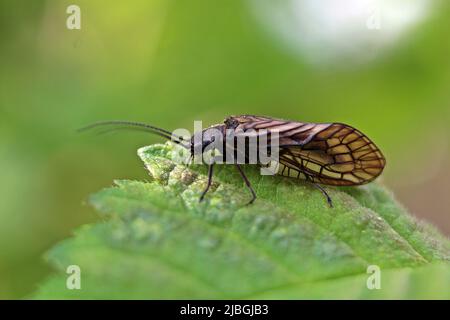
332, 154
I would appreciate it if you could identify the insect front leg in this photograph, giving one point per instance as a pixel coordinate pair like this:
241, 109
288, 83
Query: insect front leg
247, 182
208, 185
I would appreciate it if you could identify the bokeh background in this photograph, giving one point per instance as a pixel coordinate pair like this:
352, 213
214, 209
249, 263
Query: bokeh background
382, 66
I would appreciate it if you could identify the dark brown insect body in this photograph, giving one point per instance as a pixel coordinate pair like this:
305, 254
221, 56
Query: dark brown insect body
320, 153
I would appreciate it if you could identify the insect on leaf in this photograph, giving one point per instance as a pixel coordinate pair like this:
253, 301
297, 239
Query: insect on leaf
157, 241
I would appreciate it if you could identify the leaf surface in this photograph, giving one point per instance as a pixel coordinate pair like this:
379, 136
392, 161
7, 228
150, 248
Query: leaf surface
158, 242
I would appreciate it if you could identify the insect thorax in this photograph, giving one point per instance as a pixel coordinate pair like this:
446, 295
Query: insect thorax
228, 145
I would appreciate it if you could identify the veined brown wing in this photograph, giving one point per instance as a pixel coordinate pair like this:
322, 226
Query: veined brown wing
290, 132
327, 153
337, 155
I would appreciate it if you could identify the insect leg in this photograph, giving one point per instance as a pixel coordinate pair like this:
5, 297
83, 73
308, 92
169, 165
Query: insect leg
210, 175
191, 160
324, 192
247, 182
318, 186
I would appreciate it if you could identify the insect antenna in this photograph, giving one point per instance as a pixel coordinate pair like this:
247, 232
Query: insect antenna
115, 125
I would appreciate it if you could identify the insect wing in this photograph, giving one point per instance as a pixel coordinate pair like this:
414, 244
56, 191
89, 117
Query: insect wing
337, 155
327, 153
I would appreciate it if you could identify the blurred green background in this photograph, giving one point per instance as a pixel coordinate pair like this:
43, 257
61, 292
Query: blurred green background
171, 62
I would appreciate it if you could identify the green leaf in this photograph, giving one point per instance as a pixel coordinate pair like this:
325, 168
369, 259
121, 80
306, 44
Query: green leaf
157, 241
